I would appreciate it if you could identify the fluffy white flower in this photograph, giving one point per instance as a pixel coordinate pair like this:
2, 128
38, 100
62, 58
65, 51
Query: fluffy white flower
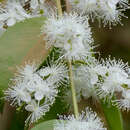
107, 11
28, 75
18, 94
116, 65
43, 90
124, 103
54, 73
13, 13
36, 110
40, 8
85, 78
111, 11
83, 83
88, 7
116, 77
94, 70
106, 77
27, 72
35, 82
71, 33
35, 3
86, 121
32, 90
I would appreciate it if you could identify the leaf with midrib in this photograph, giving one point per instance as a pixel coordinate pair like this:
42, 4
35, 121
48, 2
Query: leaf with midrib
19, 44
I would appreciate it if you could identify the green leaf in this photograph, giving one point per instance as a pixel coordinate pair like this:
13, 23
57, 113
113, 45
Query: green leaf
47, 125
113, 116
19, 44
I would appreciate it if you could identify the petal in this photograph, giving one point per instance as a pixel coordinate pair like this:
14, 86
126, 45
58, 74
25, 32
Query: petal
34, 4
38, 95
29, 108
11, 21
27, 97
94, 79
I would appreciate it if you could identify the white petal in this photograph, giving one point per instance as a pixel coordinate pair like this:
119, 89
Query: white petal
29, 108
27, 97
34, 4
38, 95
11, 21
94, 79
42, 1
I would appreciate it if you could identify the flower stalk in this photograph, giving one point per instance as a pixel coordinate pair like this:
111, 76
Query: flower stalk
59, 8
58, 2
73, 90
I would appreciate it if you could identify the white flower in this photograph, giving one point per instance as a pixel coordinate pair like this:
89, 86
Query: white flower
86, 77
94, 70
87, 121
54, 73
106, 77
123, 103
39, 8
82, 83
71, 33
43, 90
28, 75
36, 84
18, 94
111, 11
34, 4
27, 72
13, 13
36, 110
88, 7
115, 79
107, 11
30, 91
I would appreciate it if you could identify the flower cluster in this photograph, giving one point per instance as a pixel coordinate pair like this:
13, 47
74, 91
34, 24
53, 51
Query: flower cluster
39, 8
109, 11
108, 78
87, 121
36, 90
71, 33
83, 83
12, 12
